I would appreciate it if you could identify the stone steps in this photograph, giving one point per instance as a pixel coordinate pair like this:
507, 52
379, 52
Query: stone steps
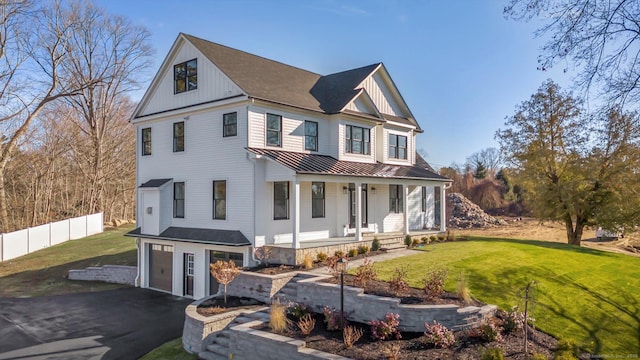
219, 348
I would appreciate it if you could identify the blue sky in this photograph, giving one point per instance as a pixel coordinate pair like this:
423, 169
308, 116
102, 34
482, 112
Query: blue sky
460, 65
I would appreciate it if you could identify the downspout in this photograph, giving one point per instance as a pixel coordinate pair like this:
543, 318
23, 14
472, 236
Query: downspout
253, 159
136, 282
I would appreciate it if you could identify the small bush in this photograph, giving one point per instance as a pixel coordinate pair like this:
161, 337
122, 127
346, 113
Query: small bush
438, 335
538, 356
407, 240
263, 254
432, 238
463, 289
391, 351
333, 266
566, 349
489, 331
425, 240
351, 335
298, 310
363, 249
375, 244
493, 354
451, 236
434, 283
365, 273
387, 328
415, 242
398, 283
307, 262
332, 319
278, 321
353, 252
306, 324
338, 253
322, 256
513, 321
441, 237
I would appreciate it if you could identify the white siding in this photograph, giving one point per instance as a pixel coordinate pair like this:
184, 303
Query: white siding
371, 158
212, 84
380, 93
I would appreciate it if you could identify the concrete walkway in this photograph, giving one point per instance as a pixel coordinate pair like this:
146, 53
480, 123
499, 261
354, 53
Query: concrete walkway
375, 258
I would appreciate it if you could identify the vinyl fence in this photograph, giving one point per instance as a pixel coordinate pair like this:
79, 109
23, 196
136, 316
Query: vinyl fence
22, 242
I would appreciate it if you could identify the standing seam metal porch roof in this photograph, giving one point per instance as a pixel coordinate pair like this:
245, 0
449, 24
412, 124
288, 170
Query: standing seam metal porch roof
303, 163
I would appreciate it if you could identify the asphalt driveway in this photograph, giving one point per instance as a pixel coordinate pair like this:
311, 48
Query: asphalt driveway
116, 324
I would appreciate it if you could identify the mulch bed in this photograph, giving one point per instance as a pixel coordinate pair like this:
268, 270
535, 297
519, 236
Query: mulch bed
276, 269
217, 305
411, 346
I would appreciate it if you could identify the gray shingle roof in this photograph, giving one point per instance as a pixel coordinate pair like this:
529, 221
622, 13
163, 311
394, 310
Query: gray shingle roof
303, 163
205, 236
154, 183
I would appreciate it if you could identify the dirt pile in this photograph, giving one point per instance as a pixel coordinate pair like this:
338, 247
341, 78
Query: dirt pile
464, 214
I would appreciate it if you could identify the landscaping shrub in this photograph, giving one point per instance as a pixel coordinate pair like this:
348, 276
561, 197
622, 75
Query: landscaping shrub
425, 240
566, 349
415, 242
432, 238
391, 351
353, 252
439, 335
363, 249
306, 324
441, 237
387, 328
365, 273
224, 272
263, 254
332, 319
451, 236
307, 262
322, 256
332, 266
338, 253
434, 283
463, 290
513, 321
375, 244
398, 283
298, 310
489, 331
407, 240
278, 321
493, 354
351, 335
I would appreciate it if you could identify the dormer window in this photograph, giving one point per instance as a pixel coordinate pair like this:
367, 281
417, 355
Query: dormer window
356, 140
397, 147
185, 76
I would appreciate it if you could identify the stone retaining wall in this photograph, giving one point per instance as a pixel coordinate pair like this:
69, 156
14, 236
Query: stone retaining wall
289, 256
261, 287
118, 274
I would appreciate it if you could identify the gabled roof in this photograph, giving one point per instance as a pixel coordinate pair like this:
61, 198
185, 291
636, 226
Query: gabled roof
197, 235
303, 163
155, 183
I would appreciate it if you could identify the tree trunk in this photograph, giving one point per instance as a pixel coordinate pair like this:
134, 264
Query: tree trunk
4, 215
574, 235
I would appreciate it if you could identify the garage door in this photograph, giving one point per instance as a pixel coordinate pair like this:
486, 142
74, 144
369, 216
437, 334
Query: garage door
160, 266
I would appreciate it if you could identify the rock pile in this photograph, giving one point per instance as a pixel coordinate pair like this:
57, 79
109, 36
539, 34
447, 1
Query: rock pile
464, 214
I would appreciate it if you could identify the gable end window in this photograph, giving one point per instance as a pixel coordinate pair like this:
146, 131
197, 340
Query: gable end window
395, 199
220, 200
178, 200
397, 147
230, 124
280, 200
317, 199
310, 135
185, 76
178, 136
357, 140
274, 130
146, 141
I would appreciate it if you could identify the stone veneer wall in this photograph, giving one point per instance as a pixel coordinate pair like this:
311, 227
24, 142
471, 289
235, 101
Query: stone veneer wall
261, 287
118, 274
289, 256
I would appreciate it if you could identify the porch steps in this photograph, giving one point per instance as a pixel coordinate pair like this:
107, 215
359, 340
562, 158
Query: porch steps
219, 348
392, 244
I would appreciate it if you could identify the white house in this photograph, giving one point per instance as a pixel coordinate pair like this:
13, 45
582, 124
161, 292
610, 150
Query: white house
236, 151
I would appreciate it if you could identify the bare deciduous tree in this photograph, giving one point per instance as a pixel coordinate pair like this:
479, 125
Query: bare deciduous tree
225, 272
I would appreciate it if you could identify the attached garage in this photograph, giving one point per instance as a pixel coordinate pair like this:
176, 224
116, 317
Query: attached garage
161, 267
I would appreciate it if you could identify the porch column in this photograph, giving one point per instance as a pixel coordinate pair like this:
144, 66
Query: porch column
405, 208
295, 214
443, 209
358, 211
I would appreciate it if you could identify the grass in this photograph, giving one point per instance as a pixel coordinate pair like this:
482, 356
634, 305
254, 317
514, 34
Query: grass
169, 350
583, 294
45, 272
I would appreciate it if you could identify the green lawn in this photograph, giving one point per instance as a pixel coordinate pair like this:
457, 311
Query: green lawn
590, 296
44, 272
170, 350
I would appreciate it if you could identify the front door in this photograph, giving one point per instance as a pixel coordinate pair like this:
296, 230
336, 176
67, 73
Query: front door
188, 274
352, 206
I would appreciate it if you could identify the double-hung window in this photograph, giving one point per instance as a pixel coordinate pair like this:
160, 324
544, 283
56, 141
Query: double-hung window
424, 199
230, 124
146, 141
280, 200
274, 130
178, 136
178, 200
395, 199
220, 200
317, 199
356, 140
185, 76
397, 147
310, 135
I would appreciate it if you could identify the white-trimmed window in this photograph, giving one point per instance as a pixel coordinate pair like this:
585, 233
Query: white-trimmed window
424, 199
178, 136
317, 200
274, 130
310, 135
395, 199
397, 147
280, 200
357, 140
178, 200
185, 76
146, 141
230, 124
220, 200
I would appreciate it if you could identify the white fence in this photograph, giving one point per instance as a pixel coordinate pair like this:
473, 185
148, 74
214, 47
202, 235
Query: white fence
22, 242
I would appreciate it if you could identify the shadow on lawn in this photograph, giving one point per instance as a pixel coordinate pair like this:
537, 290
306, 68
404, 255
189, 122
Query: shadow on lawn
53, 280
547, 244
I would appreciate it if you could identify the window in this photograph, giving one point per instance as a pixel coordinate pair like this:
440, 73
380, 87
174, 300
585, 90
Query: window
280, 200
146, 141
395, 199
178, 136
317, 199
424, 199
220, 200
356, 140
185, 76
230, 124
397, 146
178, 200
310, 135
274, 130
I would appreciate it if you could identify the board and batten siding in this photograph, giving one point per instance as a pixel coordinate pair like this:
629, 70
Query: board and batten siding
208, 156
213, 84
381, 95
